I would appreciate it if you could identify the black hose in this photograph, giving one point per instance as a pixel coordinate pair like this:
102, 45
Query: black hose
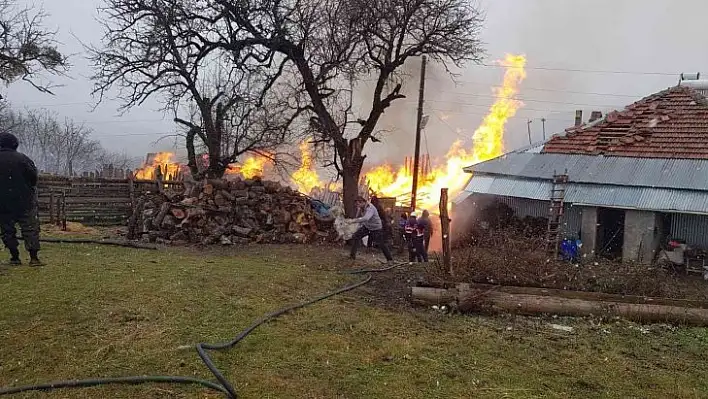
224, 386
115, 243
384, 269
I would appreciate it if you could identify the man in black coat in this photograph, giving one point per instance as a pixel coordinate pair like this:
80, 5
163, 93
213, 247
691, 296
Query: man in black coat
18, 200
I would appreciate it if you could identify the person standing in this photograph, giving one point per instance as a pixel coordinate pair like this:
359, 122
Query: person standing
414, 239
427, 226
18, 200
372, 226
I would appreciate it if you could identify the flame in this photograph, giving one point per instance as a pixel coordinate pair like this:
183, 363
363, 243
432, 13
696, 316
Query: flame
488, 143
164, 161
253, 166
306, 178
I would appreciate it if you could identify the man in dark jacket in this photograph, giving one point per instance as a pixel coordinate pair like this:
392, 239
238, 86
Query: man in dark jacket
18, 200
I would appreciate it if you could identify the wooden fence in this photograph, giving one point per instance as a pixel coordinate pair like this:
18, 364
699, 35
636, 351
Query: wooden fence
93, 202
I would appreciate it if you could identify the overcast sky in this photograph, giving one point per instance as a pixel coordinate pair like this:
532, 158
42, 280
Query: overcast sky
653, 41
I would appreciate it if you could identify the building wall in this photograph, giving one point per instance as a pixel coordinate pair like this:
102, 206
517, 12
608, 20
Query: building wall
588, 231
524, 207
641, 236
692, 228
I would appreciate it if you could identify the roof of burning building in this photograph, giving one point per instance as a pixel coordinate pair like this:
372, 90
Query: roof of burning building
669, 124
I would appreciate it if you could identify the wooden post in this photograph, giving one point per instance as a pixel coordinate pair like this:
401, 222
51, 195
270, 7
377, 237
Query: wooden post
57, 219
418, 128
131, 191
51, 207
445, 229
63, 210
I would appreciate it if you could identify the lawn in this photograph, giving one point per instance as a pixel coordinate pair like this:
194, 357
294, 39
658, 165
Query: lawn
102, 311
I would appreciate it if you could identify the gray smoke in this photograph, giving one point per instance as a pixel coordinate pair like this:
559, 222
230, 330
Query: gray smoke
599, 35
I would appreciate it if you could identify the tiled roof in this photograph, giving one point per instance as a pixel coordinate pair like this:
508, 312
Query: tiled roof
670, 124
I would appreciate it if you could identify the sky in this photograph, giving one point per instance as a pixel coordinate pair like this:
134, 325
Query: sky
582, 54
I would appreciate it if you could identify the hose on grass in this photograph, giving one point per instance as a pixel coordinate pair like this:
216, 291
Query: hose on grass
224, 385
114, 243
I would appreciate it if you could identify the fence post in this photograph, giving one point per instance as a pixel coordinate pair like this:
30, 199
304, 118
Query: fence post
57, 219
51, 207
131, 191
63, 210
445, 230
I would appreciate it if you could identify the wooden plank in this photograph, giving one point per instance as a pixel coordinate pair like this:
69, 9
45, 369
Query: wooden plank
88, 200
445, 229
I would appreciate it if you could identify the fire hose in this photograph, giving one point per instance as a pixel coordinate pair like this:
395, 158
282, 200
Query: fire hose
224, 385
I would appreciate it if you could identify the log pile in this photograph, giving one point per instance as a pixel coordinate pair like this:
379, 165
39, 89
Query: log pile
229, 212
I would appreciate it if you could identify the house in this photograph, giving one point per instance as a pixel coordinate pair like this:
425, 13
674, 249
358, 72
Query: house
636, 176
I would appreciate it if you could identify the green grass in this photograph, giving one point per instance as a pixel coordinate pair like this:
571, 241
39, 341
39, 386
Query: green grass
101, 311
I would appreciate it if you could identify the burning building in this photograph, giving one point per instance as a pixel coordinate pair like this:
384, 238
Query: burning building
635, 177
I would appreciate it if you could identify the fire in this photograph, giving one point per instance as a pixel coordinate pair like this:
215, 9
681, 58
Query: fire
253, 166
163, 160
488, 143
306, 177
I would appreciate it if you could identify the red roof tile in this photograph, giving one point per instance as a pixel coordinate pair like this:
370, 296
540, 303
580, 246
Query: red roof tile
670, 124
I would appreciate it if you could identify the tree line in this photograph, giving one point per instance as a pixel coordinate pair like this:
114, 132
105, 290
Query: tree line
59, 146
257, 75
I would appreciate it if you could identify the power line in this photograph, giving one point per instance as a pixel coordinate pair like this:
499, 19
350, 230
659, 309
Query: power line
448, 111
527, 100
524, 88
542, 68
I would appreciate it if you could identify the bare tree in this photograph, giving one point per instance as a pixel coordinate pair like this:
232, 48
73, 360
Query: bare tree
26, 48
57, 148
334, 45
80, 152
161, 48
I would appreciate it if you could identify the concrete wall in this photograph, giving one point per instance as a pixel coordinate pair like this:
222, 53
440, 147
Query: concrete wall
641, 236
588, 231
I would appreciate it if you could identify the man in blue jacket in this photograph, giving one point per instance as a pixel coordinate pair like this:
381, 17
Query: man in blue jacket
372, 226
18, 200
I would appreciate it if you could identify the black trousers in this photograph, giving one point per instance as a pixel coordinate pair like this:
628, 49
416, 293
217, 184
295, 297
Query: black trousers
29, 225
417, 252
375, 235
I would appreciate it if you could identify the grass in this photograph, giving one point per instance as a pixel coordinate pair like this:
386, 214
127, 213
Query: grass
102, 311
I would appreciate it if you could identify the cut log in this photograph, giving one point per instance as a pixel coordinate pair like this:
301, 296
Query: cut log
178, 213
242, 231
489, 299
432, 296
164, 208
135, 219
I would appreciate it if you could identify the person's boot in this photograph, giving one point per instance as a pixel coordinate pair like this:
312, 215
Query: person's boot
14, 258
34, 260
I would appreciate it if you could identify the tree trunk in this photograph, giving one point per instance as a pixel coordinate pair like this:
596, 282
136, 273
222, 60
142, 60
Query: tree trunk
192, 153
350, 186
352, 163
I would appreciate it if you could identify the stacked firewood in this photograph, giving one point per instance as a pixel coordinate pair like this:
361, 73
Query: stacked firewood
229, 212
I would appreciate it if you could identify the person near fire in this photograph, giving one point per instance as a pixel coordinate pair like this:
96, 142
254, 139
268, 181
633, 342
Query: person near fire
18, 200
371, 225
414, 238
385, 221
427, 226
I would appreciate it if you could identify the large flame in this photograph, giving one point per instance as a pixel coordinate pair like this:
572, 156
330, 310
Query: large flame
163, 160
253, 166
488, 143
306, 177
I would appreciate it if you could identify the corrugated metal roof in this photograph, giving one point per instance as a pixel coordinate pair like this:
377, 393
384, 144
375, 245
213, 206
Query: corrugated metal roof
646, 198
689, 174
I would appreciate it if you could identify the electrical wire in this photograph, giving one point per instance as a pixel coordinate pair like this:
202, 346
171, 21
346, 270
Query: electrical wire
224, 385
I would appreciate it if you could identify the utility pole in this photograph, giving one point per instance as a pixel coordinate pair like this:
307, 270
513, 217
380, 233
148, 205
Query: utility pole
528, 127
418, 128
543, 120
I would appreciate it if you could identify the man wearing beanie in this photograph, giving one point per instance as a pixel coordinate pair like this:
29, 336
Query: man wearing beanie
18, 200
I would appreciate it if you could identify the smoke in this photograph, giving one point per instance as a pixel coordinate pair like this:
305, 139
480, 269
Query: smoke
598, 35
